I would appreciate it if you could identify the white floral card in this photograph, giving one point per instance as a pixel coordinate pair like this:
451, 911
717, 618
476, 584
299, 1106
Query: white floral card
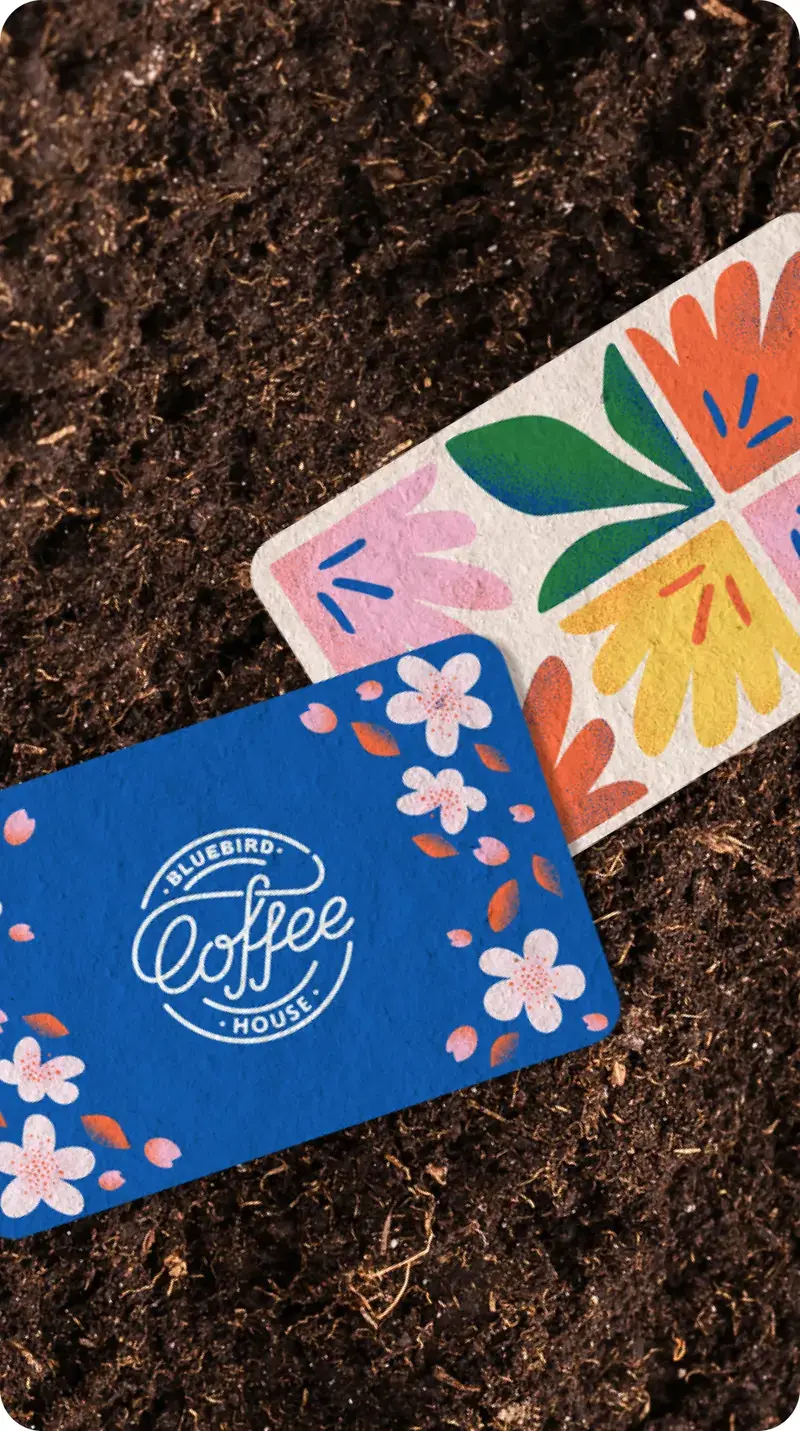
625, 524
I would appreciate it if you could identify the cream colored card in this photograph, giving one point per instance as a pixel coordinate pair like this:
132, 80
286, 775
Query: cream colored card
624, 524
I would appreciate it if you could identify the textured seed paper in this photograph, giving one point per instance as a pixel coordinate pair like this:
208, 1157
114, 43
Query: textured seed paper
625, 524
277, 924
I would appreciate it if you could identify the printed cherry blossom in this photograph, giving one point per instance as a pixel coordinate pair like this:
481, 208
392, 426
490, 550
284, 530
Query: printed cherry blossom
459, 938
462, 1043
40, 1173
21, 933
491, 851
595, 1022
532, 982
439, 698
445, 792
370, 690
35, 1080
18, 827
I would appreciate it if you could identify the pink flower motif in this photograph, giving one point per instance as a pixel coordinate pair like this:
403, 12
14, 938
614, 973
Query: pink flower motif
439, 698
532, 982
370, 690
491, 851
40, 1174
35, 1080
462, 1043
3, 1019
459, 938
367, 587
21, 933
321, 719
445, 792
521, 814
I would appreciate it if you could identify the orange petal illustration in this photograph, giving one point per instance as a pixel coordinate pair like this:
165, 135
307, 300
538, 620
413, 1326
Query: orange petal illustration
491, 851
521, 813
462, 1043
3, 1123
595, 1022
111, 1181
20, 933
47, 1025
459, 938
492, 758
375, 740
105, 1131
504, 905
546, 874
18, 828
321, 719
370, 690
161, 1152
435, 846
503, 1049
570, 779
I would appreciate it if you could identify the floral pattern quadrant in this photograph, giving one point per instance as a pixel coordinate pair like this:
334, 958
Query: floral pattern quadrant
625, 524
281, 923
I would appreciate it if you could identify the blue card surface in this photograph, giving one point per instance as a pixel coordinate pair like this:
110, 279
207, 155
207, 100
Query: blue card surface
277, 924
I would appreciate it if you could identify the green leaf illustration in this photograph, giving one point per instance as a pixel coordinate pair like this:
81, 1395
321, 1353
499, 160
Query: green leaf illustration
635, 420
598, 552
542, 466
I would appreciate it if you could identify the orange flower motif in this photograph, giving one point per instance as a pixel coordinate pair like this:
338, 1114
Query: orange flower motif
736, 391
572, 777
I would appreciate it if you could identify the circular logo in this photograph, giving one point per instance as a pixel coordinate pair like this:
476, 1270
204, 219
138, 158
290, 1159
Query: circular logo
241, 937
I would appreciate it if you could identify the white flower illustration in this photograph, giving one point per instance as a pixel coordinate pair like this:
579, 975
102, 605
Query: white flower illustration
440, 699
40, 1174
532, 982
35, 1080
445, 792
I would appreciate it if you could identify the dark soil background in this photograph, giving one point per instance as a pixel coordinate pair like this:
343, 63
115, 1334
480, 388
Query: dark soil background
249, 251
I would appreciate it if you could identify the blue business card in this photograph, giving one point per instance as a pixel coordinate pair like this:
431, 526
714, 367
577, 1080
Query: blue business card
277, 924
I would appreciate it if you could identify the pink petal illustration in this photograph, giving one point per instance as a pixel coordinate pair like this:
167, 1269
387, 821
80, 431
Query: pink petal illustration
595, 1022
462, 1043
521, 813
503, 1049
18, 828
111, 1181
370, 690
3, 1017
321, 719
459, 938
161, 1152
491, 851
20, 933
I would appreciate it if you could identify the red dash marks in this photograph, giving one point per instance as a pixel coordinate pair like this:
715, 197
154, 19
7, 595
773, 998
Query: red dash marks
492, 758
681, 581
738, 601
105, 1131
503, 906
46, 1025
503, 1049
374, 739
546, 874
703, 612
435, 846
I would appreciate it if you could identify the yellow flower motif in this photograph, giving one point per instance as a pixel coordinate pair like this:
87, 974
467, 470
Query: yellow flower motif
703, 614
